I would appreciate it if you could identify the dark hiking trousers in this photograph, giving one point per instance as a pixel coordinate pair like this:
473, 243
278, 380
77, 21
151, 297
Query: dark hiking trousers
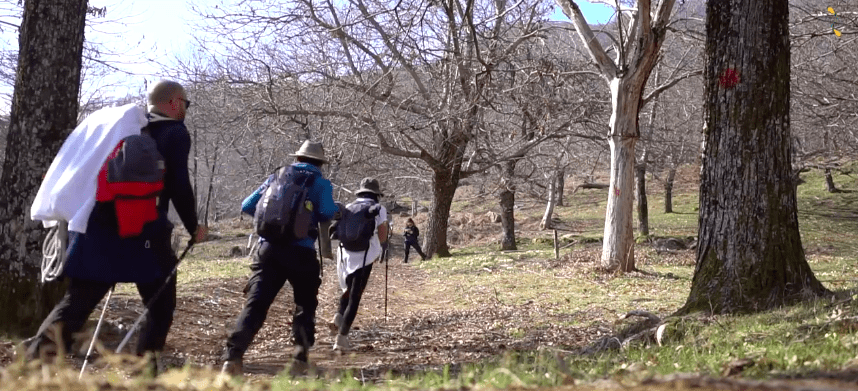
70, 314
272, 266
417, 248
350, 300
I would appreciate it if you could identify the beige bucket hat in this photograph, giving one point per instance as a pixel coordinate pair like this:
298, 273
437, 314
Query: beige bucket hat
369, 185
312, 150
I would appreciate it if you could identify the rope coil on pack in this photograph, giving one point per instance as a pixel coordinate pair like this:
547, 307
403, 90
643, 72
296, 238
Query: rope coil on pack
54, 251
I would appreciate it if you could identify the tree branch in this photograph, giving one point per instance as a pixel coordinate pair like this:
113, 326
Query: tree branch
597, 53
658, 90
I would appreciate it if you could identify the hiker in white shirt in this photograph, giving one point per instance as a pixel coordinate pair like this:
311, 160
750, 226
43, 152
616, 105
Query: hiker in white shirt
354, 267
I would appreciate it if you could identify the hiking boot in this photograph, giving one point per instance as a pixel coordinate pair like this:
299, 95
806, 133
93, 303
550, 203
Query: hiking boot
148, 366
336, 323
299, 368
342, 343
233, 368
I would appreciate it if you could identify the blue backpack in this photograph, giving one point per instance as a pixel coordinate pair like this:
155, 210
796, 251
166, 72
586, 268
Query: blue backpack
284, 213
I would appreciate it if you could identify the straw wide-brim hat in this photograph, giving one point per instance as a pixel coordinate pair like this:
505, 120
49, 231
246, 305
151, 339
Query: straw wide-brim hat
369, 185
312, 150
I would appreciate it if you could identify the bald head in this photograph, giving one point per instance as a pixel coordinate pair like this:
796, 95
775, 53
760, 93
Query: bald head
168, 97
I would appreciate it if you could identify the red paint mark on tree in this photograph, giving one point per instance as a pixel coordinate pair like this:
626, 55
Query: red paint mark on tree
729, 78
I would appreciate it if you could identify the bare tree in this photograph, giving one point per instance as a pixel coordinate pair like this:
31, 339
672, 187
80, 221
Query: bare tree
749, 256
824, 110
640, 36
414, 79
44, 111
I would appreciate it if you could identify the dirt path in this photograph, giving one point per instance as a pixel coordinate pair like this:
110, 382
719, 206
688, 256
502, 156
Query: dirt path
419, 332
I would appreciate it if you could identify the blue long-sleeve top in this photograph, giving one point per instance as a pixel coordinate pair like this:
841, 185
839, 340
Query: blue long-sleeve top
321, 195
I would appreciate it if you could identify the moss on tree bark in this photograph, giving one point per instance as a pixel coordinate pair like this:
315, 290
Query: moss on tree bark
749, 256
44, 111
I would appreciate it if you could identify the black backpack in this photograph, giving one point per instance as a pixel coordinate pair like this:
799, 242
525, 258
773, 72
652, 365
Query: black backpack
284, 213
357, 225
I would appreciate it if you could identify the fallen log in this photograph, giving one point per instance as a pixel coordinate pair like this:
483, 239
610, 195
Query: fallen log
591, 185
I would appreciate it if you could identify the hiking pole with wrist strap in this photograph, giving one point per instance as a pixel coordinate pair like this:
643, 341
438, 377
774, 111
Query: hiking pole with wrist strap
154, 298
386, 256
95, 334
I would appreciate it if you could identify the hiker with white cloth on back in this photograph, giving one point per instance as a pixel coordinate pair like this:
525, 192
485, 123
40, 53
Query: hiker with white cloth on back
362, 232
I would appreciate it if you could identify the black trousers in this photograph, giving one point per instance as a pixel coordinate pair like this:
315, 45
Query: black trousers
417, 248
70, 314
350, 300
272, 266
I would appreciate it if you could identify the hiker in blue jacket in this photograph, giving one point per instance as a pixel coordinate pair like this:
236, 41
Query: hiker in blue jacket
100, 258
275, 263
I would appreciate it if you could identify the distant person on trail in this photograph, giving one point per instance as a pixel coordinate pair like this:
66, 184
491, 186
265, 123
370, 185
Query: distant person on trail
277, 261
362, 231
100, 258
411, 234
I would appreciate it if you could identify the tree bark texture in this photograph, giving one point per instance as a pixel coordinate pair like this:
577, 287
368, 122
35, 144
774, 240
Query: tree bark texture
668, 190
44, 111
507, 204
446, 168
749, 256
640, 195
561, 185
618, 246
549, 206
443, 190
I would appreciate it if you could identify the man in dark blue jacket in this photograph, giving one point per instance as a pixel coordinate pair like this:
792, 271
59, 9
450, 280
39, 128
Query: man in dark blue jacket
275, 263
100, 258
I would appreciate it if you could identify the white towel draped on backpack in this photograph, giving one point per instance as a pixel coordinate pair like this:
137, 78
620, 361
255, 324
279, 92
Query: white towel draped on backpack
67, 192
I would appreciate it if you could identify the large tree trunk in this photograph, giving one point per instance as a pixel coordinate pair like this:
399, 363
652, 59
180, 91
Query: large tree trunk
44, 111
443, 189
618, 246
447, 171
507, 204
640, 195
749, 256
668, 190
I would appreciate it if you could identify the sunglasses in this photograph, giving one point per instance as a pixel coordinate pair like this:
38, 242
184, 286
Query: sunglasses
187, 102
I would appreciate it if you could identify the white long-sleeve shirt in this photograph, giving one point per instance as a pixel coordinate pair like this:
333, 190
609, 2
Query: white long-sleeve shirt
349, 262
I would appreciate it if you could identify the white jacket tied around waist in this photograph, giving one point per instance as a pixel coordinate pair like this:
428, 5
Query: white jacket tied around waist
68, 191
349, 262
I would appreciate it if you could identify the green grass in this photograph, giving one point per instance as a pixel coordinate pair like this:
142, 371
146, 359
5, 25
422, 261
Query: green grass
828, 221
795, 341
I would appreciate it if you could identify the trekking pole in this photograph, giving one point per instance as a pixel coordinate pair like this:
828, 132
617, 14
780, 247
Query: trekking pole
95, 334
386, 262
155, 297
321, 261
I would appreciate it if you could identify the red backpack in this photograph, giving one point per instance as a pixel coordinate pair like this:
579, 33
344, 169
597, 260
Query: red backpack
132, 178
